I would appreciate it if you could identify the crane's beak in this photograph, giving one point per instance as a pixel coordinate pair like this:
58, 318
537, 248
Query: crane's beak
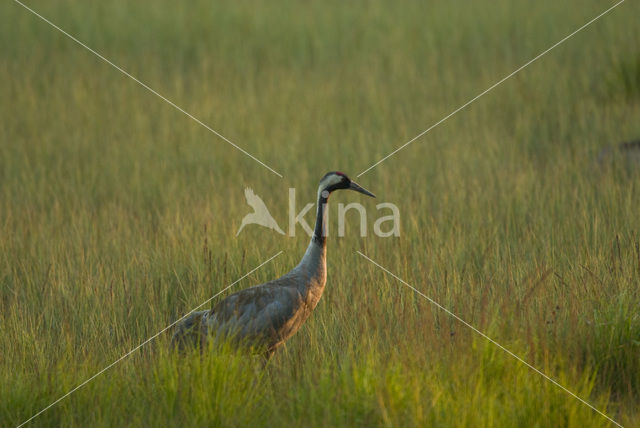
357, 188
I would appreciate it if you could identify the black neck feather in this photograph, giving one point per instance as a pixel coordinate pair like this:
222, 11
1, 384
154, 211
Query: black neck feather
320, 233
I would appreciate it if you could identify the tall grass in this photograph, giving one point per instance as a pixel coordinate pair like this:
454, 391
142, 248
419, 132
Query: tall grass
118, 214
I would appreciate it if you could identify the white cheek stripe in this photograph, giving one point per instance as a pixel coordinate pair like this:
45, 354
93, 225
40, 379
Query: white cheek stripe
329, 181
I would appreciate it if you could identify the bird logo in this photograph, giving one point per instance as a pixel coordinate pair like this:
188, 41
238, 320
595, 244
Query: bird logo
260, 214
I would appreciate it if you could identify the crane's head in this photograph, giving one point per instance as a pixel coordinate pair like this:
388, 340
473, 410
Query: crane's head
336, 180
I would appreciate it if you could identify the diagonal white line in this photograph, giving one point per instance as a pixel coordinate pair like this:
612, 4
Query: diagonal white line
492, 87
148, 340
171, 103
488, 338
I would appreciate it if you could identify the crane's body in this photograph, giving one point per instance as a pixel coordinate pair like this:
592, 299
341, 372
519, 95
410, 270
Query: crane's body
266, 315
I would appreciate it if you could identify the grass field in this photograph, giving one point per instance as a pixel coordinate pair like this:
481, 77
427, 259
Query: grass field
118, 214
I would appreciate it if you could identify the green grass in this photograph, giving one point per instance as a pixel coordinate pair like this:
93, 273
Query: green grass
118, 214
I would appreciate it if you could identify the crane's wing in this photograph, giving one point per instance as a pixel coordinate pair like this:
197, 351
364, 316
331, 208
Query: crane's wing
189, 332
263, 315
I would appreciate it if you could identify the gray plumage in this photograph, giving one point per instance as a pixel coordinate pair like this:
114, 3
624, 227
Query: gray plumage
626, 155
263, 317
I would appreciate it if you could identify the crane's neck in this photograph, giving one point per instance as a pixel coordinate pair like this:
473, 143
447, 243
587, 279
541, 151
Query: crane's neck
321, 228
313, 262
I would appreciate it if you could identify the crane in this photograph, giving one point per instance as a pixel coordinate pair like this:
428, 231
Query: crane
264, 316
